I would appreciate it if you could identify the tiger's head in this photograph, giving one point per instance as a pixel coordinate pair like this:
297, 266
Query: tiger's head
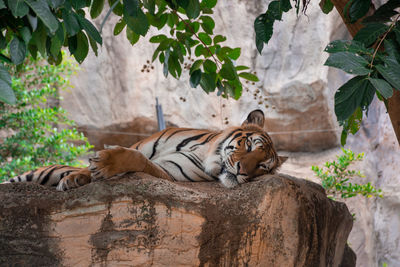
247, 152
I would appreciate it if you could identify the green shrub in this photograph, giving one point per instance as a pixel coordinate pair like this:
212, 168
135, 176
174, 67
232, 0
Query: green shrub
335, 177
36, 132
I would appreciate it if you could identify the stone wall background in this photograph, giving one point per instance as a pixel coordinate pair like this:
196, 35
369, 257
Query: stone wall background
110, 91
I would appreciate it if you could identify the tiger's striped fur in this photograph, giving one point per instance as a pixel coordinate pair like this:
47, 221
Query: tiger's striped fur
232, 156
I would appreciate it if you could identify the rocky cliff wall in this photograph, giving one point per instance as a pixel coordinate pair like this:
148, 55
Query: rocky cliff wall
140, 220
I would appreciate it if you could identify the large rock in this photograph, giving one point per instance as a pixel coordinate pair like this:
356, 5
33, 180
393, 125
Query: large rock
139, 220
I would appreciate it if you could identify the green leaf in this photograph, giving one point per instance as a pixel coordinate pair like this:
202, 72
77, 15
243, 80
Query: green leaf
119, 8
219, 39
393, 49
82, 47
234, 53
72, 44
119, 27
358, 9
209, 66
42, 10
228, 71
132, 36
158, 38
208, 3
55, 46
263, 24
195, 78
326, 6
174, 67
222, 52
93, 44
17, 50
352, 124
205, 38
25, 34
198, 51
263, 27
384, 12
6, 93
18, 8
370, 33
5, 59
39, 38
349, 97
135, 18
349, 62
96, 8
71, 23
78, 4
382, 87
347, 46
259, 45
208, 24
196, 65
156, 21
150, 5
249, 76
172, 20
2, 5
165, 44
391, 72
193, 9
90, 29
234, 88
207, 82
241, 67
55, 3
276, 8
367, 96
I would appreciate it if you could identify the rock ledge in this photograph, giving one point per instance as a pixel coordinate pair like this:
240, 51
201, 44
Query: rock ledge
139, 220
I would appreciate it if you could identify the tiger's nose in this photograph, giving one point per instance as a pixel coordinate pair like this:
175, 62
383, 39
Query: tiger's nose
240, 170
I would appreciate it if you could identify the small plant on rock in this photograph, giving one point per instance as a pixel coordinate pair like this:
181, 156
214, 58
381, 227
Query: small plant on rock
336, 177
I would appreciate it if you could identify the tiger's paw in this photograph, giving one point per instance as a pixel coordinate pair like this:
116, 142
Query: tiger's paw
105, 163
74, 180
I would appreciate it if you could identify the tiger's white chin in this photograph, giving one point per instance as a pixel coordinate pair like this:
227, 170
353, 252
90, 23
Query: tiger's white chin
228, 179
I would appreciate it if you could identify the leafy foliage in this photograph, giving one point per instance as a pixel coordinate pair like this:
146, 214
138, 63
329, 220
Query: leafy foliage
33, 131
335, 177
377, 70
264, 23
44, 27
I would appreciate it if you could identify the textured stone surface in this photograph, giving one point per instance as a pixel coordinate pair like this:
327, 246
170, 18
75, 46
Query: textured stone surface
140, 220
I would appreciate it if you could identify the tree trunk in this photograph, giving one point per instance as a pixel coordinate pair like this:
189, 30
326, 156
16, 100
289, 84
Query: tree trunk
394, 101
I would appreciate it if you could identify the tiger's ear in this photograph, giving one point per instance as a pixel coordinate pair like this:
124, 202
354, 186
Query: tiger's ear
282, 159
255, 117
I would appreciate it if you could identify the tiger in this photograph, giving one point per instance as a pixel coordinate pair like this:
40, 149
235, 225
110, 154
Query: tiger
232, 156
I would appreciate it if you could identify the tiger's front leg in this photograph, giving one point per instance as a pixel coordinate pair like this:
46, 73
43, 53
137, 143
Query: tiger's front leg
118, 160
